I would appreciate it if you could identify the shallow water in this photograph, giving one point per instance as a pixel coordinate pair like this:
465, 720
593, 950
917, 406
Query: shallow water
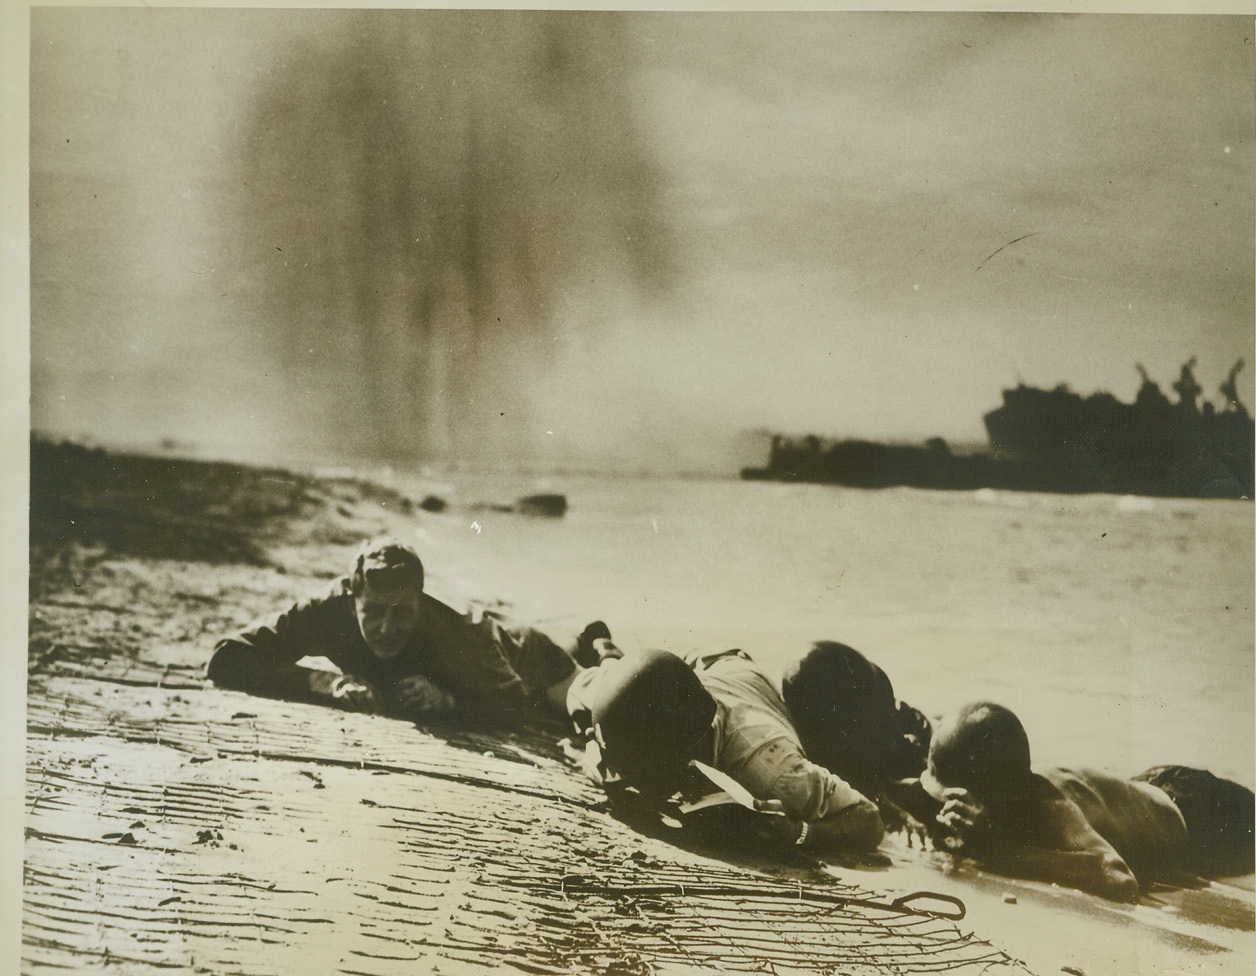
1120, 629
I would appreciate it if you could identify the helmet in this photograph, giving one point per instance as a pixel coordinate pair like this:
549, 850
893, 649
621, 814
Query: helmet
981, 748
649, 712
844, 709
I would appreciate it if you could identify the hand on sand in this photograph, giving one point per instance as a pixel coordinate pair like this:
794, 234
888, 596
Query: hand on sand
417, 695
354, 695
898, 820
590, 763
917, 834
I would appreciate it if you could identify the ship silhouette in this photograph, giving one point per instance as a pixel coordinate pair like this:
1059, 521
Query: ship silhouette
1058, 441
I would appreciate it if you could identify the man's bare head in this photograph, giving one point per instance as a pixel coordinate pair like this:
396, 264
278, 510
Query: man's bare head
385, 563
982, 747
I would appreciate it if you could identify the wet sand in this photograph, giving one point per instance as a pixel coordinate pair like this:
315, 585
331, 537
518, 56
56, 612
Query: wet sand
173, 826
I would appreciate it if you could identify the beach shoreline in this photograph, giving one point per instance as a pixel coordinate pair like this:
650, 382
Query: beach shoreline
148, 788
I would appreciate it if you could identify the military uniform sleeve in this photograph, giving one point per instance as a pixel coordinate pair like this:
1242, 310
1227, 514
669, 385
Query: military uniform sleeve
262, 659
827, 812
467, 660
808, 792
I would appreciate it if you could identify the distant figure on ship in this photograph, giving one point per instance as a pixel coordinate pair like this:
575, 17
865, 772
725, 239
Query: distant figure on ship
1230, 391
1149, 393
1080, 828
399, 650
1187, 387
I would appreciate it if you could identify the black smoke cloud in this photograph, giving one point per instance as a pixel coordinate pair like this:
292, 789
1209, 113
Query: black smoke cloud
434, 210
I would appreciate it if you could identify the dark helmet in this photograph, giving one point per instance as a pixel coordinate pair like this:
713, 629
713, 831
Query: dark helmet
844, 709
981, 748
649, 712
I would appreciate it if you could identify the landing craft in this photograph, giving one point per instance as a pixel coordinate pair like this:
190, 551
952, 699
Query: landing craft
1056, 440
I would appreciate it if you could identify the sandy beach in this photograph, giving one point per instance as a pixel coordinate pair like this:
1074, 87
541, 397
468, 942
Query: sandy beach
173, 826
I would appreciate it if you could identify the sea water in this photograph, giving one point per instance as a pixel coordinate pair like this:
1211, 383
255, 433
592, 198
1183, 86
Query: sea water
1120, 629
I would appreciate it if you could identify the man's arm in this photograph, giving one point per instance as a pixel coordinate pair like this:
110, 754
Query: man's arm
466, 660
837, 817
1093, 871
1078, 853
262, 659
1063, 847
857, 827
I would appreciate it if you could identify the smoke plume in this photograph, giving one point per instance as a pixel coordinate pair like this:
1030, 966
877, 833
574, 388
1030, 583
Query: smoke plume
444, 212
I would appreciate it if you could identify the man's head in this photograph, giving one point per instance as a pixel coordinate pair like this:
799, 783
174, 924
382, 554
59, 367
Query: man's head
651, 715
981, 748
843, 706
386, 580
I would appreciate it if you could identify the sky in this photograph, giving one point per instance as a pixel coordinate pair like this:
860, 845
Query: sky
859, 224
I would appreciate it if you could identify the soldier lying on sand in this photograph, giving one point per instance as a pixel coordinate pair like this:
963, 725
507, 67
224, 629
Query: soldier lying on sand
648, 714
1079, 828
400, 651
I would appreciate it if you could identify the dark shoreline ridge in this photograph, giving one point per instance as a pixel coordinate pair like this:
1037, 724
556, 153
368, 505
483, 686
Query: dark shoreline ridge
1057, 441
